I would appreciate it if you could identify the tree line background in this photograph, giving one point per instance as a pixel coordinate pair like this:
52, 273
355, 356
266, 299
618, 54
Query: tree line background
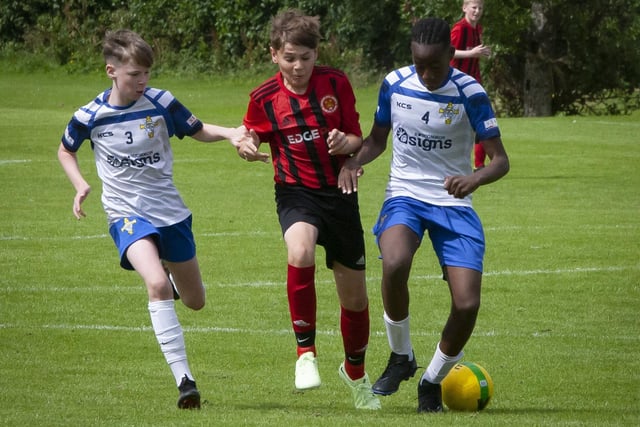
549, 56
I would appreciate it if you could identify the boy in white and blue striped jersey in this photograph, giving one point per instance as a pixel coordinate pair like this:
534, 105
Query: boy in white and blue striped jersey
129, 127
434, 113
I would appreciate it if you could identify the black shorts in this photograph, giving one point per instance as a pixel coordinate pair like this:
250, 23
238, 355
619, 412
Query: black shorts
334, 214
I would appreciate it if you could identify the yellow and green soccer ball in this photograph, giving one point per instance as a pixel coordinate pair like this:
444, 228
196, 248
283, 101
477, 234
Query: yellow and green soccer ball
467, 387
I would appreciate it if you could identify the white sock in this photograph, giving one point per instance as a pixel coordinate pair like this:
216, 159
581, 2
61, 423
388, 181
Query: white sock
169, 334
398, 335
440, 366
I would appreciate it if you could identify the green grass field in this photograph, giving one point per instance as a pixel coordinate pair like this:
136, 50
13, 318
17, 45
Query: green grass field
558, 330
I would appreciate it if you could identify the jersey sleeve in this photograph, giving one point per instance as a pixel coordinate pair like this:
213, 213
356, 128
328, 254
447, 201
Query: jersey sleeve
350, 116
482, 117
455, 36
79, 127
255, 119
75, 134
184, 122
382, 116
180, 121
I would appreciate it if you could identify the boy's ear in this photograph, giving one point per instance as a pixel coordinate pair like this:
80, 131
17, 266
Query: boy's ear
111, 71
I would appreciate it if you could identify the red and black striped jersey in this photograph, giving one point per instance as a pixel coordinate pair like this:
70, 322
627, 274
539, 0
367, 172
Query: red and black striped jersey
466, 37
296, 126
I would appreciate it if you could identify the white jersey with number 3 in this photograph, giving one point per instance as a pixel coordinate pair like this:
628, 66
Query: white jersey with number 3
133, 155
433, 132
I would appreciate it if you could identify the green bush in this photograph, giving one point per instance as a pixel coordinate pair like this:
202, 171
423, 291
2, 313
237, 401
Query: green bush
366, 38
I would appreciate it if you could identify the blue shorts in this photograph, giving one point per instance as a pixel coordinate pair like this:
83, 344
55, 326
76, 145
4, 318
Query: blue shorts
175, 243
455, 231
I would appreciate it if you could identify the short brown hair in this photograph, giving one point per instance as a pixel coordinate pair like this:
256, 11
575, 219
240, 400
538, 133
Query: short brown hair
293, 26
126, 46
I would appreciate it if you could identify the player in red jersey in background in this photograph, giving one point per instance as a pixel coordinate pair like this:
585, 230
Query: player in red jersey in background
307, 114
466, 37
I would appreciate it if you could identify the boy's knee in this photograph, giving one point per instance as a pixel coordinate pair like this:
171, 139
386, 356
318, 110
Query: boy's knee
194, 304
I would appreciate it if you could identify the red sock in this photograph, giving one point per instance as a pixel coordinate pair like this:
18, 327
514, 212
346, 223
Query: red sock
478, 155
354, 326
301, 293
303, 350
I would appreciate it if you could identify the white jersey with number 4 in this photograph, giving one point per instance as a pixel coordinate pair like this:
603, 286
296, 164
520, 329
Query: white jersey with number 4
433, 132
133, 155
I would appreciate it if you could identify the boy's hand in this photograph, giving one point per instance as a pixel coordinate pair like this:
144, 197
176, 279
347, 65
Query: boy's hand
337, 142
482, 50
460, 186
349, 174
80, 197
247, 145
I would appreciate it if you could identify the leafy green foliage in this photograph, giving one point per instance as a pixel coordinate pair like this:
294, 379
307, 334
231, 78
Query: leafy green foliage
590, 51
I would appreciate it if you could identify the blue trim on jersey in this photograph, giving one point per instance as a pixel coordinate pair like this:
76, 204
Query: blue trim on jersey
124, 117
179, 120
470, 93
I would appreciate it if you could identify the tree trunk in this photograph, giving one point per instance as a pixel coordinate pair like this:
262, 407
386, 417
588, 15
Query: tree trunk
538, 87
538, 78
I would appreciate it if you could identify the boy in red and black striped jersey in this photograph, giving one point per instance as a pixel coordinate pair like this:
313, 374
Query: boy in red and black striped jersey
307, 115
466, 37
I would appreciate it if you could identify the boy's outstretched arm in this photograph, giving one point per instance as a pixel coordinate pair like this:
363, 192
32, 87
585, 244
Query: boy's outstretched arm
213, 133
